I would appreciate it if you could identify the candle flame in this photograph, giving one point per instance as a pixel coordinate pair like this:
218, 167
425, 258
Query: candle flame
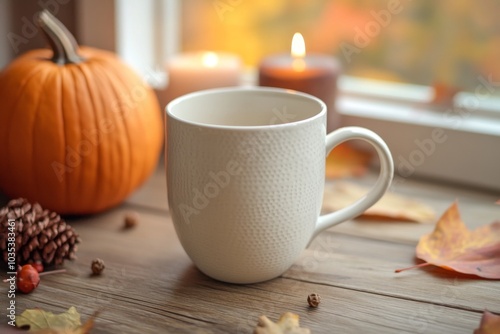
298, 46
298, 52
210, 59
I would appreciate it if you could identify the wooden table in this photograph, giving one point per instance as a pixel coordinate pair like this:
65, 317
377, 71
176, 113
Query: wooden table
150, 286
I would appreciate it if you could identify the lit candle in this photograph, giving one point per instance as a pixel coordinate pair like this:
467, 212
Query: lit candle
313, 74
189, 72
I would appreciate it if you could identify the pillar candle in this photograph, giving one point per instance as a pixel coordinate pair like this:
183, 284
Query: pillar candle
189, 72
315, 74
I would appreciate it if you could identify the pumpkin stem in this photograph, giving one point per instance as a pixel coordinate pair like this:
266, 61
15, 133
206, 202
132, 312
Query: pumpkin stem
61, 41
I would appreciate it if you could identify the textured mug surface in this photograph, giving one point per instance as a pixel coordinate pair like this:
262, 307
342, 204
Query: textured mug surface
245, 178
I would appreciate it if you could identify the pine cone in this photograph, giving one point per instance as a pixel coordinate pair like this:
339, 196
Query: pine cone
41, 235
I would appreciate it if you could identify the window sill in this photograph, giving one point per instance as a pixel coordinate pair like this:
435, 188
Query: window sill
459, 146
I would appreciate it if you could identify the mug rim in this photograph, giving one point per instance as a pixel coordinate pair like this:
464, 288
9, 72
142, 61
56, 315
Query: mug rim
267, 90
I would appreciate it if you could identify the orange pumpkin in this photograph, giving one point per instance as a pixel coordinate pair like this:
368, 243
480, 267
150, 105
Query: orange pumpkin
79, 130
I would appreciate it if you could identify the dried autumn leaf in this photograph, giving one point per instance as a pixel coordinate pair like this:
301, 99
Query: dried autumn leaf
43, 322
490, 324
85, 329
452, 246
390, 206
443, 93
287, 324
346, 161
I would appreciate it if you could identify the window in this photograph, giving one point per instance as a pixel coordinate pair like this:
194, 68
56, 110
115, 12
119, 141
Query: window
144, 33
421, 42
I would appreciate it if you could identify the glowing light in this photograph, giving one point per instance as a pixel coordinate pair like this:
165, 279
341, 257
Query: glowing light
298, 52
298, 46
210, 59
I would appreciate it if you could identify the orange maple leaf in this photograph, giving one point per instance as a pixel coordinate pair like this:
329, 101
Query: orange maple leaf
347, 161
452, 246
490, 324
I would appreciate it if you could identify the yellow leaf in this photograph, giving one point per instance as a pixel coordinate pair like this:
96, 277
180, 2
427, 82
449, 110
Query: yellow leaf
43, 322
390, 207
287, 324
40, 319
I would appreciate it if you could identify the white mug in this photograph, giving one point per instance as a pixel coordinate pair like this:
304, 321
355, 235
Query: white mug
245, 178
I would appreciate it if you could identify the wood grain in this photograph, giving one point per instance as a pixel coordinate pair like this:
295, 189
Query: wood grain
150, 285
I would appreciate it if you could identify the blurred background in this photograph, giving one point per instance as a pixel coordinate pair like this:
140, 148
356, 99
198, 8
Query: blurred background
425, 42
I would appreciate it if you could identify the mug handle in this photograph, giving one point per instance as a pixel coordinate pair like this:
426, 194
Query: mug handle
383, 182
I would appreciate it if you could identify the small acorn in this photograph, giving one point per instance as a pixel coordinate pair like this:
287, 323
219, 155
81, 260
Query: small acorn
131, 220
97, 266
313, 300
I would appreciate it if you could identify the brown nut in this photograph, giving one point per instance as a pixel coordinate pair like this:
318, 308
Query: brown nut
97, 266
313, 300
131, 219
